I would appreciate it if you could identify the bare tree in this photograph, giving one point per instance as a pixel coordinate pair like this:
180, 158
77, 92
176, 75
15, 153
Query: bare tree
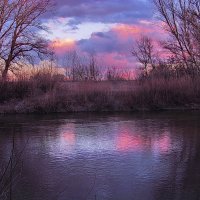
94, 71
19, 26
144, 53
76, 65
82, 67
182, 21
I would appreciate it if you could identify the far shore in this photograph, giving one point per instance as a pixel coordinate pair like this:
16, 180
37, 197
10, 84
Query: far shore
13, 109
103, 96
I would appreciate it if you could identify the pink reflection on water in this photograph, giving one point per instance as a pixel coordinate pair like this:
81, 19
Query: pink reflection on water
162, 144
128, 140
69, 137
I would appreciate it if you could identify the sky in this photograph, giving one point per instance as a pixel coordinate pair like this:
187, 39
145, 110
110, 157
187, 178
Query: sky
105, 28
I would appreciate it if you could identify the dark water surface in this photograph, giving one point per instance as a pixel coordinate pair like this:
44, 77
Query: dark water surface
105, 157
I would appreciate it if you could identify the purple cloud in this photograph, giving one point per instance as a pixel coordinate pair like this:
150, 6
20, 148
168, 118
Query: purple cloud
106, 11
104, 42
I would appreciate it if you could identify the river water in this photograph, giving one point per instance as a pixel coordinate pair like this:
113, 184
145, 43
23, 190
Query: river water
103, 156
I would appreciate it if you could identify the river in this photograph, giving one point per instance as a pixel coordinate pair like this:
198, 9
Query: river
141, 156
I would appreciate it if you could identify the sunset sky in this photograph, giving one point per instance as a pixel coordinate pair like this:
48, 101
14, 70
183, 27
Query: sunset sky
106, 28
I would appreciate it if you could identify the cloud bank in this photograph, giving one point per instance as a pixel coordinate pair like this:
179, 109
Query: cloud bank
113, 46
106, 11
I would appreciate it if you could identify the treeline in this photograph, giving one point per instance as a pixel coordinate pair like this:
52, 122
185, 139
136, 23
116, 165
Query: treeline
87, 67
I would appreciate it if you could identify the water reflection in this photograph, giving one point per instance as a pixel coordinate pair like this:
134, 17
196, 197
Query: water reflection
69, 137
162, 144
68, 134
128, 140
152, 156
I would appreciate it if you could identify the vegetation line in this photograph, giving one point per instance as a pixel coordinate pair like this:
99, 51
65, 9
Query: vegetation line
169, 73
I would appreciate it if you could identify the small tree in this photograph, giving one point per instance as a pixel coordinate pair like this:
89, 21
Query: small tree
19, 26
94, 72
144, 53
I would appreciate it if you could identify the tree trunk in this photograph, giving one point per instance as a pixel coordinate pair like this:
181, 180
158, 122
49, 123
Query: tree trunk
5, 72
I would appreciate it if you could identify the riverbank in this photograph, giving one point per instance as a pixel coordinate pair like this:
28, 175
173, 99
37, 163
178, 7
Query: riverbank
115, 96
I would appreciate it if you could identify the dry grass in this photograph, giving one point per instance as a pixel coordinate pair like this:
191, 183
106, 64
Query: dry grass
49, 95
170, 92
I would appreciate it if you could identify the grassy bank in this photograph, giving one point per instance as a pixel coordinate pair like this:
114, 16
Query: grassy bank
48, 95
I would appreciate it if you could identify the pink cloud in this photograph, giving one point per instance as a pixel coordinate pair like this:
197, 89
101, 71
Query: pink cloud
61, 46
114, 46
114, 59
